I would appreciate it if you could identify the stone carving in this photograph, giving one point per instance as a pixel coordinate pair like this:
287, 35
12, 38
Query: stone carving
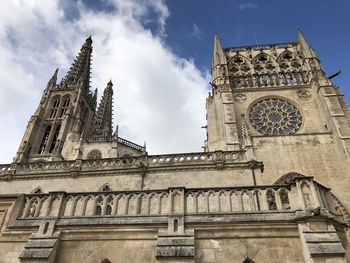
240, 98
275, 116
304, 94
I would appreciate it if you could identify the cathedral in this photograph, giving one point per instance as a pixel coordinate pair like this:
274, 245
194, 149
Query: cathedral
271, 186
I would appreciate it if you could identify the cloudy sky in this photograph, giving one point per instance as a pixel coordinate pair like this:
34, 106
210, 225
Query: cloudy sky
157, 53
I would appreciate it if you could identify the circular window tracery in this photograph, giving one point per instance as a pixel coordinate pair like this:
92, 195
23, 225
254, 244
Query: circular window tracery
275, 116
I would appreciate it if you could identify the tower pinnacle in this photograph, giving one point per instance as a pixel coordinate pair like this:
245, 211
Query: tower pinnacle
103, 117
79, 73
218, 54
306, 47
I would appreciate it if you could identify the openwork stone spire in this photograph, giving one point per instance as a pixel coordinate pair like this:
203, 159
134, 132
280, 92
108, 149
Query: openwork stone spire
79, 73
103, 117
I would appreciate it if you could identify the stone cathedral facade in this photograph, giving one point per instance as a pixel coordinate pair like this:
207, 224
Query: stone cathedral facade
272, 184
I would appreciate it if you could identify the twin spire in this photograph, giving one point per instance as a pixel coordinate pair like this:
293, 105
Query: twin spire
78, 76
102, 123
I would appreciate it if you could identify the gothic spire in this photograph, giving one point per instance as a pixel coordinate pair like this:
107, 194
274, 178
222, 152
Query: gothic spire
53, 79
218, 54
79, 72
103, 116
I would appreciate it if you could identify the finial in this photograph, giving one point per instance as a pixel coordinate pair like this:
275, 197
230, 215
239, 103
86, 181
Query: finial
144, 145
89, 39
53, 79
110, 83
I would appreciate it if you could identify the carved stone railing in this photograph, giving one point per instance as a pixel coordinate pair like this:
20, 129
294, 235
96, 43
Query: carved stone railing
131, 144
261, 47
301, 195
100, 139
217, 158
271, 79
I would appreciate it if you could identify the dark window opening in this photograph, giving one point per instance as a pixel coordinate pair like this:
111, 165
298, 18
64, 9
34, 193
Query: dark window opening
64, 107
54, 139
44, 140
108, 210
46, 227
176, 225
98, 210
54, 108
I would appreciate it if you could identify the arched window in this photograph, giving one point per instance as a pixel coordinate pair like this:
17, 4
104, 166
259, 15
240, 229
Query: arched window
64, 107
284, 199
106, 261
54, 139
54, 109
108, 210
271, 201
32, 208
98, 210
99, 203
44, 140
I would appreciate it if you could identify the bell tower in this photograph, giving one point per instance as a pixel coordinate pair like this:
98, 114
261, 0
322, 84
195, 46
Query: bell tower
65, 109
275, 103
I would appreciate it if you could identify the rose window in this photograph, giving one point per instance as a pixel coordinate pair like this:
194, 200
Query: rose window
275, 117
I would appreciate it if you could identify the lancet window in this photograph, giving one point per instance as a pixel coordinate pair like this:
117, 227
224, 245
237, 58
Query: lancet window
271, 200
44, 140
65, 106
55, 106
98, 209
54, 139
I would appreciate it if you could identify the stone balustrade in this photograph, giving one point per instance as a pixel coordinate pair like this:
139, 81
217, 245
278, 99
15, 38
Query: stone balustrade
261, 47
125, 162
301, 194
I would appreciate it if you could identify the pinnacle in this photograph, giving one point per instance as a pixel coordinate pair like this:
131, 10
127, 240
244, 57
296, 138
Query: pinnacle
104, 114
80, 69
89, 40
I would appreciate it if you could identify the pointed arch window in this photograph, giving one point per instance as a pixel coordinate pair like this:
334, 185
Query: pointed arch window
44, 140
54, 109
54, 139
108, 210
98, 210
65, 106
99, 203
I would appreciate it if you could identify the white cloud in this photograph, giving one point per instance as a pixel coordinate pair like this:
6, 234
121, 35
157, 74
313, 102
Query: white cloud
248, 5
196, 31
159, 97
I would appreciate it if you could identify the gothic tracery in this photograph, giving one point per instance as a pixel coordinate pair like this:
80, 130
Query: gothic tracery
274, 116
